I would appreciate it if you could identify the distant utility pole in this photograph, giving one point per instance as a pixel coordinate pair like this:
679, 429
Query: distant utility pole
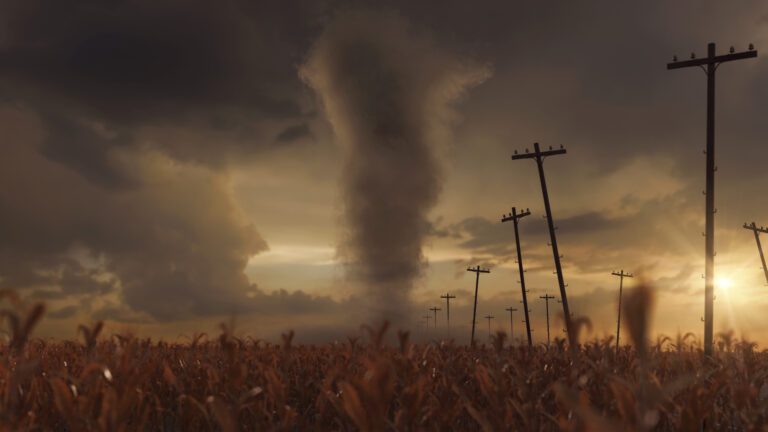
515, 218
489, 318
511, 311
426, 319
539, 156
621, 276
757, 232
477, 270
709, 65
448, 298
547, 298
435, 309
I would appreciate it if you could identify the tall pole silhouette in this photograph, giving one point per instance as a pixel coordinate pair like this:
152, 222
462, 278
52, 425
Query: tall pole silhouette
754, 228
435, 309
621, 276
710, 64
489, 318
448, 298
511, 311
515, 218
426, 319
477, 270
547, 298
539, 156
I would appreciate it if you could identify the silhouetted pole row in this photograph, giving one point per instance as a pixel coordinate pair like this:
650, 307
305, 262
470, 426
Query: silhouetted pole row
489, 318
539, 156
621, 276
477, 270
511, 311
710, 64
448, 298
754, 228
435, 309
515, 218
547, 298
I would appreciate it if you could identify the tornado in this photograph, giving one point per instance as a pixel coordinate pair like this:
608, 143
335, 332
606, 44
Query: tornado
388, 92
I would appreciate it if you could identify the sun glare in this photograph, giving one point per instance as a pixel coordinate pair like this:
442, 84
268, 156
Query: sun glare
724, 282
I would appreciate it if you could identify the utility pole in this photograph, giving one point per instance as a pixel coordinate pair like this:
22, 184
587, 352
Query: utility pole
515, 218
435, 309
511, 311
489, 318
709, 65
547, 298
477, 270
426, 319
448, 298
539, 156
752, 227
621, 276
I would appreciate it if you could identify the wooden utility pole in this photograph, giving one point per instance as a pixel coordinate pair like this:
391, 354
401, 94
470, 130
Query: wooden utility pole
448, 298
757, 230
539, 156
426, 319
621, 276
515, 218
511, 311
477, 270
435, 309
710, 64
489, 318
547, 298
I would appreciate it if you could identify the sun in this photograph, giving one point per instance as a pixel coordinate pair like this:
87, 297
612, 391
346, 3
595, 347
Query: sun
723, 282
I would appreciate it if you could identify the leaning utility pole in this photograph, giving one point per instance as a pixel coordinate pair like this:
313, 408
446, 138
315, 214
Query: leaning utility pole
515, 218
710, 64
547, 298
539, 156
621, 276
477, 270
757, 232
489, 318
435, 309
511, 311
448, 298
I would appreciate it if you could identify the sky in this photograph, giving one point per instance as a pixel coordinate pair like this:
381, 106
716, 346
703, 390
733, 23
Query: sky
319, 165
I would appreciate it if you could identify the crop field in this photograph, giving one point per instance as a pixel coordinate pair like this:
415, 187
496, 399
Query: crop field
381, 382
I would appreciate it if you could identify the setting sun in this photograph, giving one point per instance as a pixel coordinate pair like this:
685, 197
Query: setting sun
724, 282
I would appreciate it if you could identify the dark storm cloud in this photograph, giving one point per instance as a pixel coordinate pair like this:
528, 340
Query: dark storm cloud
293, 133
174, 247
221, 67
386, 91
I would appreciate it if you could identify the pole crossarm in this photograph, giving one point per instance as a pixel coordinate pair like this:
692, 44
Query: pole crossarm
716, 60
538, 153
514, 216
753, 227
